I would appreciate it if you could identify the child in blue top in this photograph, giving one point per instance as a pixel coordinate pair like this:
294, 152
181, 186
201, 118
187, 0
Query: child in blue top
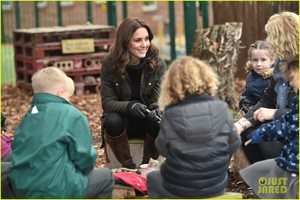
278, 178
260, 71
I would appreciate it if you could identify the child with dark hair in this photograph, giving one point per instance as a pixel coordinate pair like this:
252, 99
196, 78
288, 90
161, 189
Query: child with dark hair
285, 166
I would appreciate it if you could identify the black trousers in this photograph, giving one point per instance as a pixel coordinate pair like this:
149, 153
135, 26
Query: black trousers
6, 188
260, 151
115, 124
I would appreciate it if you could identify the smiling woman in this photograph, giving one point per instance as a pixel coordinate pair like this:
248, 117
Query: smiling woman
130, 82
138, 45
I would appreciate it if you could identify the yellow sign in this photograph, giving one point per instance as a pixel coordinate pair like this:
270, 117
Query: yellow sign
78, 46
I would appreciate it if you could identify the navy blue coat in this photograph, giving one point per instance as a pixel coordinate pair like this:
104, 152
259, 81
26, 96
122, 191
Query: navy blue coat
255, 86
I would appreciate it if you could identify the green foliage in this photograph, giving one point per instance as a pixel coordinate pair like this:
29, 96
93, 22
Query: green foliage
8, 75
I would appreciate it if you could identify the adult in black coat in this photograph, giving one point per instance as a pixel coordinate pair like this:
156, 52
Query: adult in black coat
130, 85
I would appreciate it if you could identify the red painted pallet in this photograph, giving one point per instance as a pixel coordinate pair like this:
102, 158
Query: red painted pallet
36, 36
45, 50
80, 87
77, 61
24, 86
77, 75
38, 48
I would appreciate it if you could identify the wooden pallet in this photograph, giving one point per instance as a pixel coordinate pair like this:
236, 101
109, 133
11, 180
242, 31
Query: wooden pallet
44, 35
77, 50
80, 88
79, 59
46, 50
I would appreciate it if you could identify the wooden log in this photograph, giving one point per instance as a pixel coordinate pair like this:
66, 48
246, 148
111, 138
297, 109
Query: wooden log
230, 195
123, 192
240, 162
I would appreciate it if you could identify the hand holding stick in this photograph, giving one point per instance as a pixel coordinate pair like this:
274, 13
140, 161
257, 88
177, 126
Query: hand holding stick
248, 142
157, 117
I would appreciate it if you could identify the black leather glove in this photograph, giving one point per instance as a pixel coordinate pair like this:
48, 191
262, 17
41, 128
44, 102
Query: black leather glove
138, 110
155, 113
245, 104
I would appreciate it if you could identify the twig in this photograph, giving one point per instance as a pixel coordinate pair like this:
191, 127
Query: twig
157, 117
248, 142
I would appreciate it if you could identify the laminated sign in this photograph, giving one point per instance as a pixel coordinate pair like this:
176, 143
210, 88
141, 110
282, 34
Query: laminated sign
78, 46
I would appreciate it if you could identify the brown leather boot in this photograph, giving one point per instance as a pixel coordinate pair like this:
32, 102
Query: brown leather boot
149, 149
120, 146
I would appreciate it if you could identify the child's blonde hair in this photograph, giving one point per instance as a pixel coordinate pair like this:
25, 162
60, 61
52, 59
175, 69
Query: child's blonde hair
187, 75
283, 35
71, 86
51, 79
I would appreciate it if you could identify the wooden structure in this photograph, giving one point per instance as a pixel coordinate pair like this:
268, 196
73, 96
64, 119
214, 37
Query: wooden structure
77, 50
240, 162
123, 192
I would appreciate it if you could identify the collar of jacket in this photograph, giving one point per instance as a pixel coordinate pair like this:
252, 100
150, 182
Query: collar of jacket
138, 66
266, 73
197, 97
39, 98
190, 98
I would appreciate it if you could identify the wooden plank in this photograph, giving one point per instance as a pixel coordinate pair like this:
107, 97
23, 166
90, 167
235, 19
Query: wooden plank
230, 195
78, 46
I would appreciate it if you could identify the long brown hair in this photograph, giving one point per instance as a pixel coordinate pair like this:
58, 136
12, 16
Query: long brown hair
119, 51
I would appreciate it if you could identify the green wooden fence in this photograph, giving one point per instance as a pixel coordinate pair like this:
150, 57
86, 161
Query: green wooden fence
21, 14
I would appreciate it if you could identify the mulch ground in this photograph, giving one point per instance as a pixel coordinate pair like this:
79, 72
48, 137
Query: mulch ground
16, 102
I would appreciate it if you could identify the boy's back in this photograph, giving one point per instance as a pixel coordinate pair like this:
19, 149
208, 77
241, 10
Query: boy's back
53, 155
43, 160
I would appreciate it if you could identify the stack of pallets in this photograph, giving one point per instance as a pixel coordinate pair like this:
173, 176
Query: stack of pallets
77, 50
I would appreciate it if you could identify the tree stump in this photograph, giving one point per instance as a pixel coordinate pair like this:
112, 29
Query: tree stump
240, 162
219, 46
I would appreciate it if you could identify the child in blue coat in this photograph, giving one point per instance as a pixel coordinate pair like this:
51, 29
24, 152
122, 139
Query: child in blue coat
259, 69
278, 178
